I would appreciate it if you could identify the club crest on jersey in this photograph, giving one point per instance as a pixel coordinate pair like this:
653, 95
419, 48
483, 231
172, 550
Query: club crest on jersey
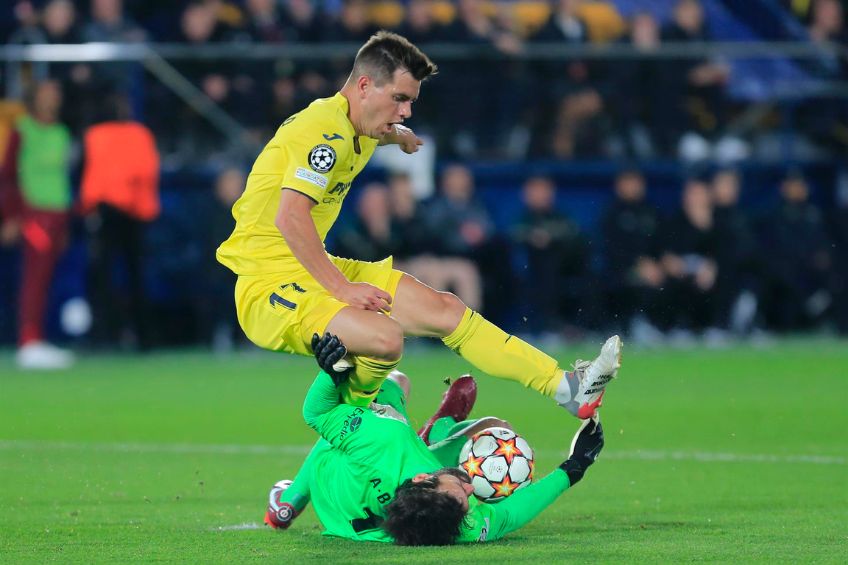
322, 158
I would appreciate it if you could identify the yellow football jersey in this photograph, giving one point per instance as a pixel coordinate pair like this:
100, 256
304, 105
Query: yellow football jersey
315, 152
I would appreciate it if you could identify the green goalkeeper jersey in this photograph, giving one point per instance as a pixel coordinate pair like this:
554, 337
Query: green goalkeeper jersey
367, 452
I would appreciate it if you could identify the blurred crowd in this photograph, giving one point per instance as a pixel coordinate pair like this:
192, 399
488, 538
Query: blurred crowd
541, 108
82, 152
710, 270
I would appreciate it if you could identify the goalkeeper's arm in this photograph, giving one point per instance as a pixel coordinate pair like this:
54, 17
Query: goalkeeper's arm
524, 505
324, 412
322, 396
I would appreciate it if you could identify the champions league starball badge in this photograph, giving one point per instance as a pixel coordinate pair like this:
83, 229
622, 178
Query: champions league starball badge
322, 158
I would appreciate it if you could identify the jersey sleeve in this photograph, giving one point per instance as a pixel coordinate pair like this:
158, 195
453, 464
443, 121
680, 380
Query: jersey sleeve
309, 160
488, 522
354, 430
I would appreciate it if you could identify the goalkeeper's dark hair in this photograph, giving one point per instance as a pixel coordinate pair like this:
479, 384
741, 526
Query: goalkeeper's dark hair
422, 515
385, 52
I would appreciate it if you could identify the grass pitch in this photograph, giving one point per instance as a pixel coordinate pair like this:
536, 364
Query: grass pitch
717, 456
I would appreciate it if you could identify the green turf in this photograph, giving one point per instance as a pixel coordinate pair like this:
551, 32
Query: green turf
717, 456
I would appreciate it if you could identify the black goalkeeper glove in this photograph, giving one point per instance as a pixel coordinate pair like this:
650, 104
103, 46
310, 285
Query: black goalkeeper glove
328, 351
587, 444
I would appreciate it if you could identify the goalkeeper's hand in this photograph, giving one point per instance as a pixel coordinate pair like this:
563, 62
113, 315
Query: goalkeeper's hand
329, 351
585, 447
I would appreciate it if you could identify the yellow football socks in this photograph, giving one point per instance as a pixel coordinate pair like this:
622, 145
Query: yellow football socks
502, 355
365, 380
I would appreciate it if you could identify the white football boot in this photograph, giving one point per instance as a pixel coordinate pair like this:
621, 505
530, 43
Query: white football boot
582, 390
40, 355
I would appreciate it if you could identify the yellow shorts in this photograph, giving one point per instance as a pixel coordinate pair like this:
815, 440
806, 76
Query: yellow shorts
281, 311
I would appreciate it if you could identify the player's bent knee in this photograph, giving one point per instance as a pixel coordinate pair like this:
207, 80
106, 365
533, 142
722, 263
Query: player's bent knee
451, 309
388, 344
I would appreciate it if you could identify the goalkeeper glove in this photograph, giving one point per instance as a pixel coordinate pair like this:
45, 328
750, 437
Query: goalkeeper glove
329, 351
585, 447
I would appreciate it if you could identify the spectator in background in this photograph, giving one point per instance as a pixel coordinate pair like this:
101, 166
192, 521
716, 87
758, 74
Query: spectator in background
252, 81
577, 104
633, 276
412, 236
825, 118
119, 196
284, 101
217, 324
302, 20
371, 237
800, 261
635, 92
827, 22
736, 255
353, 23
557, 260
839, 229
37, 187
229, 16
416, 251
689, 261
195, 136
695, 102
59, 23
26, 18
109, 24
461, 227
467, 129
264, 24
10, 205
420, 26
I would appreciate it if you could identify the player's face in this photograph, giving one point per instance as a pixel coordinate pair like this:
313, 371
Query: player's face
389, 104
456, 486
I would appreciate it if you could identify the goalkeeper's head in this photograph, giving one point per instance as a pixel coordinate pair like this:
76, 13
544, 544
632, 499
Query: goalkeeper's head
429, 509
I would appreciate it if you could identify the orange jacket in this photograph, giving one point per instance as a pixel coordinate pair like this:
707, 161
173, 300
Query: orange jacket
121, 169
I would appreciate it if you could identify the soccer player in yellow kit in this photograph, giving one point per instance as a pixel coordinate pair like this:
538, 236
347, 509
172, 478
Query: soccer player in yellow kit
290, 288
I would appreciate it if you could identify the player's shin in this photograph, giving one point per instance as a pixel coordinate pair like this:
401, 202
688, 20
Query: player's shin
502, 355
365, 380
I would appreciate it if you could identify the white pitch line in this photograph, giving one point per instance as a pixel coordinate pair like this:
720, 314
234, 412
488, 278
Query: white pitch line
718, 457
242, 449
181, 448
238, 527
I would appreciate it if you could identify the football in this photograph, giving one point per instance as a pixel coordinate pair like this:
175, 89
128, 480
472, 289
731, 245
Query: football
498, 461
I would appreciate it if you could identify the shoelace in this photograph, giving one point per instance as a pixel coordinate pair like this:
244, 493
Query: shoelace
580, 367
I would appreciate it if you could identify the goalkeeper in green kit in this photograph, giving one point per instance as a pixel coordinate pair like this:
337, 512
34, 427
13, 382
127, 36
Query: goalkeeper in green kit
372, 478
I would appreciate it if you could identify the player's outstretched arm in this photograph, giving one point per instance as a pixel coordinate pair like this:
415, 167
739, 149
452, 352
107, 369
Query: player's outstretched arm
524, 505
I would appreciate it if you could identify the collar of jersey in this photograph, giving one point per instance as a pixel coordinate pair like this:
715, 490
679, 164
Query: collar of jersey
344, 106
